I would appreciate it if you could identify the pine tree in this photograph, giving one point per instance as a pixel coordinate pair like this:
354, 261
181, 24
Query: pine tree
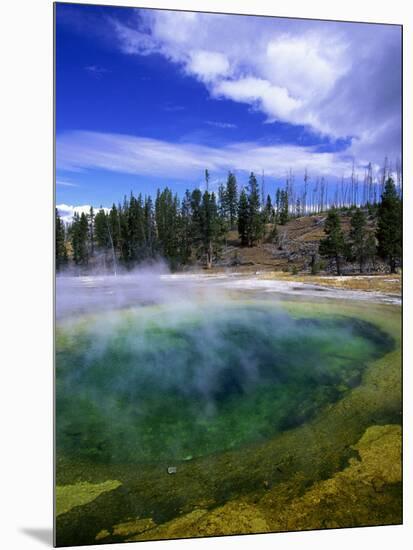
101, 234
136, 230
389, 226
185, 229
60, 246
223, 205
114, 225
232, 200
333, 246
91, 218
371, 249
278, 205
255, 229
269, 211
123, 215
243, 218
209, 226
167, 224
283, 207
173, 247
358, 237
79, 238
209, 217
149, 228
196, 229
207, 179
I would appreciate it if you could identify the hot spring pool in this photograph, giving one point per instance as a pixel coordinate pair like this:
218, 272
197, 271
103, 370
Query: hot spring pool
165, 385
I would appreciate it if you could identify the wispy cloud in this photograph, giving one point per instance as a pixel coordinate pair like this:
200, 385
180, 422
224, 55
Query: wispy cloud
79, 151
218, 124
173, 108
64, 183
96, 70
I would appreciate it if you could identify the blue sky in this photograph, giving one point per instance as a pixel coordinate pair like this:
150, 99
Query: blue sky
149, 98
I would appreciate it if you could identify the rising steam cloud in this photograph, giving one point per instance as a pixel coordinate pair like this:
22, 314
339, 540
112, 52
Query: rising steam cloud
153, 366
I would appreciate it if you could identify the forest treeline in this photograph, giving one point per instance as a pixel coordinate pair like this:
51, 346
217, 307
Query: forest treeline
193, 230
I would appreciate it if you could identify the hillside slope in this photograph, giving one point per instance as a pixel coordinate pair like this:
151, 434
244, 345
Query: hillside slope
297, 245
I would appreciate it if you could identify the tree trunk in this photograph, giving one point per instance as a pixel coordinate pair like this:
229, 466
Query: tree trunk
209, 256
338, 266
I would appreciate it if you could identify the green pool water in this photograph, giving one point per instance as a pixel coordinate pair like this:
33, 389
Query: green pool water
166, 385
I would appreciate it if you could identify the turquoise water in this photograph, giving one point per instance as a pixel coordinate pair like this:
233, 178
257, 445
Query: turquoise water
158, 385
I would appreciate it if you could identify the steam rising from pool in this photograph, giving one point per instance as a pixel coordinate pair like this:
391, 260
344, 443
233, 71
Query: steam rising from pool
195, 375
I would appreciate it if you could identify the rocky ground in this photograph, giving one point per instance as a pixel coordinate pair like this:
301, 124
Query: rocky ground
390, 284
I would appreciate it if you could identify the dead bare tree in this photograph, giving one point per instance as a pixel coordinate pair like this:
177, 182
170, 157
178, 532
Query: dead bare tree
304, 201
262, 190
384, 175
342, 192
322, 194
352, 185
398, 177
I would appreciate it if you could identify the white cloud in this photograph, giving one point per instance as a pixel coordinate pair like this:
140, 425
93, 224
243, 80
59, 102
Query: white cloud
303, 65
78, 151
260, 93
207, 65
67, 211
340, 79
